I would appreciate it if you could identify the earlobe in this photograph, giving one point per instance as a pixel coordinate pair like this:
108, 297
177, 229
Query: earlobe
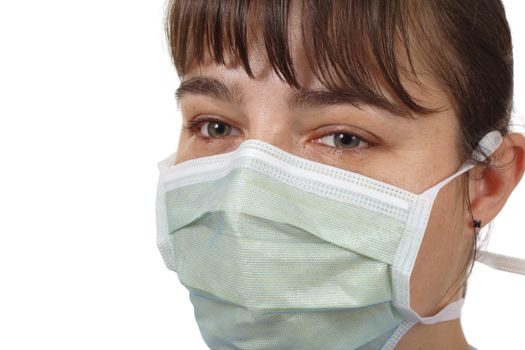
490, 190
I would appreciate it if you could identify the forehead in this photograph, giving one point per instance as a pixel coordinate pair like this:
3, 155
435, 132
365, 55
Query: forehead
336, 46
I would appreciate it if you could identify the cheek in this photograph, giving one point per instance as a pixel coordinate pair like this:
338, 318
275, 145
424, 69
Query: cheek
184, 152
189, 148
192, 147
438, 272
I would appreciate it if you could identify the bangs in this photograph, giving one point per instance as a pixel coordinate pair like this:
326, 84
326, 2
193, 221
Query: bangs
352, 47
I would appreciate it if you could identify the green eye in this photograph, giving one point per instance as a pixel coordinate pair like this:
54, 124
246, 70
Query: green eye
216, 129
343, 140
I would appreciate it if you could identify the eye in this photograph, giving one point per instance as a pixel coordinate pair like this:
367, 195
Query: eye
343, 140
211, 128
215, 129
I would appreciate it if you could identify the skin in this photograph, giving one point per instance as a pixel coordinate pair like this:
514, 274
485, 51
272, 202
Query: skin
413, 154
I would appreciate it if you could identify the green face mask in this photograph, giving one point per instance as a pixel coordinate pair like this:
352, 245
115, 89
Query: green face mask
279, 252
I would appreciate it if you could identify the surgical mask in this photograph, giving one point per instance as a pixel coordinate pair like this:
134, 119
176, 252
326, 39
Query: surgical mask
281, 252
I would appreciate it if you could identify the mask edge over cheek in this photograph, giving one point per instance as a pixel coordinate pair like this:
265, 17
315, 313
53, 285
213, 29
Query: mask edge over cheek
414, 234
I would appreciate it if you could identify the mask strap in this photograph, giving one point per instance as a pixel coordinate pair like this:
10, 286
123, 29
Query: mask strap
502, 262
486, 147
451, 312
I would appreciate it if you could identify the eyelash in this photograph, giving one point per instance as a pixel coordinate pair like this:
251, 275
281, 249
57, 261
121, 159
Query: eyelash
194, 126
339, 151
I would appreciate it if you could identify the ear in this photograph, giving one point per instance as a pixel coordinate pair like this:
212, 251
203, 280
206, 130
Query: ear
490, 187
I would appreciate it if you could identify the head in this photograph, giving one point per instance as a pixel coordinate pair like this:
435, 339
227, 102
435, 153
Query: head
400, 91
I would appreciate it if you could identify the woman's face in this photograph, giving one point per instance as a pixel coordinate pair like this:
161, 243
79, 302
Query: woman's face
222, 107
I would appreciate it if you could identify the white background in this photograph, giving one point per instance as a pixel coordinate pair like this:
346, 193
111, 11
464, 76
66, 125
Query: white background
86, 111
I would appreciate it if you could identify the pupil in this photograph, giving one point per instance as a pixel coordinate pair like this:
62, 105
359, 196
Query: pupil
217, 129
345, 140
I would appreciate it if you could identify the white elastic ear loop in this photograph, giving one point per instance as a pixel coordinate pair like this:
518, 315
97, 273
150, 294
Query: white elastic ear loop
451, 312
498, 261
502, 262
486, 147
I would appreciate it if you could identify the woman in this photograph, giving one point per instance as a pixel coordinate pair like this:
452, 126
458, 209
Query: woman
337, 161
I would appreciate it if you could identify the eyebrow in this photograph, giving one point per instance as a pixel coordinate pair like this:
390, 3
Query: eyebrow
296, 99
209, 87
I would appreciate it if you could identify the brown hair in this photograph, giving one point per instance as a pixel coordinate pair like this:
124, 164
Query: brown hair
466, 45
354, 46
